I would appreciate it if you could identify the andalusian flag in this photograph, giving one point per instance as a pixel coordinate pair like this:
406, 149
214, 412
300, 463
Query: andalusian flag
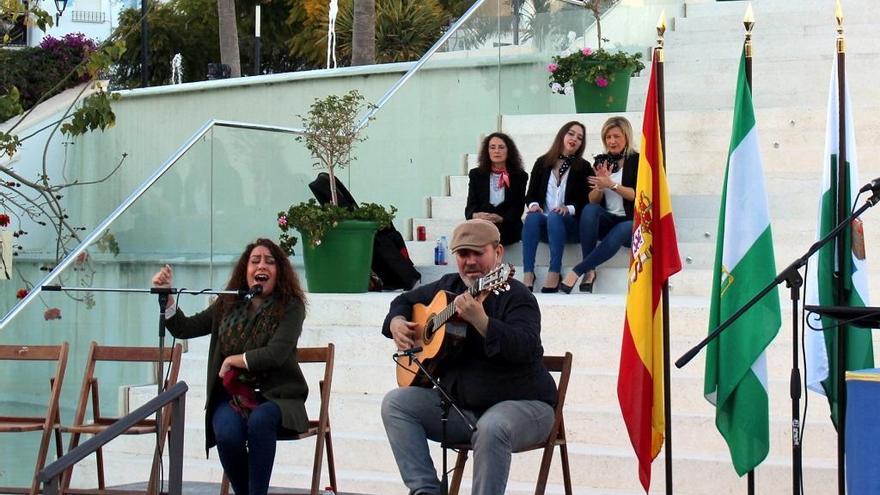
822, 284
654, 259
736, 361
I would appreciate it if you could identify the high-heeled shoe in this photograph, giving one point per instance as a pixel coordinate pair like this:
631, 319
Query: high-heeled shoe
527, 276
568, 288
588, 286
553, 289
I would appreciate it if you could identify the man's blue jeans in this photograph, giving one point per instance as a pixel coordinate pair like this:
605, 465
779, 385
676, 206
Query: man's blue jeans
412, 416
614, 231
552, 228
247, 446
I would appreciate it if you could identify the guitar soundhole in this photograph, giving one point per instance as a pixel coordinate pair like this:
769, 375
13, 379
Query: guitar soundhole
429, 329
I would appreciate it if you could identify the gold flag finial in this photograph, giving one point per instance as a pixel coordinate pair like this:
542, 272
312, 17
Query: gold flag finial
749, 23
838, 14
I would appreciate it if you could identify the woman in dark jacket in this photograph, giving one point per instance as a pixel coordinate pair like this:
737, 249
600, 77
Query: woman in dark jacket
557, 194
256, 390
608, 219
497, 187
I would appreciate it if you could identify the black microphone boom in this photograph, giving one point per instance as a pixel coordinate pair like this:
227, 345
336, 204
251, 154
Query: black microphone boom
870, 186
408, 352
256, 290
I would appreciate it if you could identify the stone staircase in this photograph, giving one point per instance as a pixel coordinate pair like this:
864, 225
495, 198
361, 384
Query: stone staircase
794, 43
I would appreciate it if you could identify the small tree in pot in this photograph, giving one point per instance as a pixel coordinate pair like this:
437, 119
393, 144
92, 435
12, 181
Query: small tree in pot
330, 135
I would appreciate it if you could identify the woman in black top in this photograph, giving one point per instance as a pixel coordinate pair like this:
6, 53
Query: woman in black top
557, 193
608, 219
497, 187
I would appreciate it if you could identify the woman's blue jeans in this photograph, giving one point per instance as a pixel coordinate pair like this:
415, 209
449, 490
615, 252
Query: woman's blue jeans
597, 224
552, 228
247, 446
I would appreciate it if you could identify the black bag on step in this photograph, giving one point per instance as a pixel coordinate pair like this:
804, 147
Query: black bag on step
391, 261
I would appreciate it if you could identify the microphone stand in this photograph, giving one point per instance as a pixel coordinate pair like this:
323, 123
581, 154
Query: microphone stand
794, 281
446, 402
162, 293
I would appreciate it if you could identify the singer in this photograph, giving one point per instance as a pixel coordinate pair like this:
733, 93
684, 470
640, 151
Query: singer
256, 390
498, 379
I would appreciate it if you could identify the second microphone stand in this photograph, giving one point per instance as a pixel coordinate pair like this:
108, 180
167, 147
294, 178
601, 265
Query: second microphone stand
792, 277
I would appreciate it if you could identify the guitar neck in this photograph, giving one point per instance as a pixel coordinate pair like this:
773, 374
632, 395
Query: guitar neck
448, 312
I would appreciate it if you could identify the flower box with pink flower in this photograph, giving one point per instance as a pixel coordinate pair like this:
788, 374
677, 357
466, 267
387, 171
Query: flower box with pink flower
598, 79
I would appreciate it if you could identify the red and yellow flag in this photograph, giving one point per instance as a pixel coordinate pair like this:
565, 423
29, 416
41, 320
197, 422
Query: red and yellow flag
654, 259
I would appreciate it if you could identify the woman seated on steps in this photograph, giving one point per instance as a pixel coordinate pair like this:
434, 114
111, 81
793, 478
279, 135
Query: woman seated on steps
497, 187
608, 219
557, 194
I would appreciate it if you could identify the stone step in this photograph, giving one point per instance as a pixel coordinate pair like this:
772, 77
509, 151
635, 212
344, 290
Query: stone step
852, 9
602, 468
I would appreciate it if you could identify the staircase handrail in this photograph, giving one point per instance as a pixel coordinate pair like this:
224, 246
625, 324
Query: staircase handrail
50, 476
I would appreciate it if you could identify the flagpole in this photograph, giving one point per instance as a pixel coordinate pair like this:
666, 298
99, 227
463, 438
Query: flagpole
843, 207
749, 23
667, 385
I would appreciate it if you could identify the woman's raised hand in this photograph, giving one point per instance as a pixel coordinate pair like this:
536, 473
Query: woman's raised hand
164, 277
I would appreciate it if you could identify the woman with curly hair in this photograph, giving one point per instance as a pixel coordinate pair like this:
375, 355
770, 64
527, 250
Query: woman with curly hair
497, 187
256, 389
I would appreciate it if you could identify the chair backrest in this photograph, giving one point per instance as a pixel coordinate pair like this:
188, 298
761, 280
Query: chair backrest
47, 423
56, 353
127, 354
320, 355
561, 365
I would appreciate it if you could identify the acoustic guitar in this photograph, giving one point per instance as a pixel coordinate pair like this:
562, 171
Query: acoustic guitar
438, 334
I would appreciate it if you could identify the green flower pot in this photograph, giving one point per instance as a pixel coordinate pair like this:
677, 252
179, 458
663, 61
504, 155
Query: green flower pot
589, 98
341, 263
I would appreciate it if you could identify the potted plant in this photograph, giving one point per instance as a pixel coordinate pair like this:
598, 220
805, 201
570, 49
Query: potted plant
337, 241
598, 78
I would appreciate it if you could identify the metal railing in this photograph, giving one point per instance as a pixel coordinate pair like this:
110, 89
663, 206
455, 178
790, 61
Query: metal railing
50, 476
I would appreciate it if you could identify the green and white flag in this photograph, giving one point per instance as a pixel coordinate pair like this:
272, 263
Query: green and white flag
822, 286
736, 362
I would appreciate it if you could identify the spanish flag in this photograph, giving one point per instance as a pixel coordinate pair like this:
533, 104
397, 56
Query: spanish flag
654, 259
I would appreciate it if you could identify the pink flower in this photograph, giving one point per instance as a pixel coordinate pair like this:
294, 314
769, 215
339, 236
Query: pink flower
282, 221
21, 293
587, 51
552, 67
601, 82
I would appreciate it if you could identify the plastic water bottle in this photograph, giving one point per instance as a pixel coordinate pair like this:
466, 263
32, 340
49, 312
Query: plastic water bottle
439, 253
445, 247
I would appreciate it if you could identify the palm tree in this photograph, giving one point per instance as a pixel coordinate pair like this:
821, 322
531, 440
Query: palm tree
229, 54
363, 50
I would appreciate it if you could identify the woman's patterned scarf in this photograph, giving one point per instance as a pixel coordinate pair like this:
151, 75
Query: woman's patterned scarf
566, 164
240, 332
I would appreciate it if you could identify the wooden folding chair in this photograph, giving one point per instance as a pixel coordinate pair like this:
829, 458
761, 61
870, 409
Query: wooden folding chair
48, 423
556, 438
99, 422
319, 428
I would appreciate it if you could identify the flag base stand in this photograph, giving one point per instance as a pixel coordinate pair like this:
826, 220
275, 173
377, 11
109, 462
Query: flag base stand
793, 280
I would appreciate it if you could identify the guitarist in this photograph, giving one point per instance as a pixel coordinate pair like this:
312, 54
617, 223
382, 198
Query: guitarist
498, 379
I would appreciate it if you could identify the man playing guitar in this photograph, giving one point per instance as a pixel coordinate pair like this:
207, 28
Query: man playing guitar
497, 378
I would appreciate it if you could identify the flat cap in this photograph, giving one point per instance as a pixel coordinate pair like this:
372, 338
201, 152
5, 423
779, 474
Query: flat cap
474, 234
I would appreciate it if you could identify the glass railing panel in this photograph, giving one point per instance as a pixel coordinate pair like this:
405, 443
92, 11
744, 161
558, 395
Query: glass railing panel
423, 133
170, 223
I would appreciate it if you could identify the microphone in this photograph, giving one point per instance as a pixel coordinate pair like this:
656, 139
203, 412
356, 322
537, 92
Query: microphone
872, 186
408, 352
256, 290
